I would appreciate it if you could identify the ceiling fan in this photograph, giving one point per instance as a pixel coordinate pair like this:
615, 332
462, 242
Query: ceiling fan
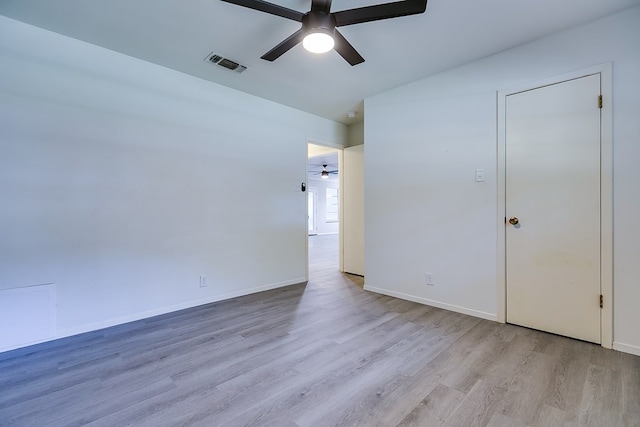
319, 34
324, 173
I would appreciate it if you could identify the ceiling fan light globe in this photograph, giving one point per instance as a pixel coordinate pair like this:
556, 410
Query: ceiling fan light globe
325, 174
318, 41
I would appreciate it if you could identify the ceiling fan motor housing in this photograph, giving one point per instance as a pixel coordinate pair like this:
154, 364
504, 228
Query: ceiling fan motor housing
318, 21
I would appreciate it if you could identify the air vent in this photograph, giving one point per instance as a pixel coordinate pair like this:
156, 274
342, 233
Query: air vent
227, 63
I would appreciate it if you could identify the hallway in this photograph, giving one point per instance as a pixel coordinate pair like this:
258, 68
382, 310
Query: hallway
324, 262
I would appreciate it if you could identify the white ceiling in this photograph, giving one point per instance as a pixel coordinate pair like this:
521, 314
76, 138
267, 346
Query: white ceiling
314, 150
179, 34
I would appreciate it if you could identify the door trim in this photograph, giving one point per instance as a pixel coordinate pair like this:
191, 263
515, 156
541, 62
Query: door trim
606, 191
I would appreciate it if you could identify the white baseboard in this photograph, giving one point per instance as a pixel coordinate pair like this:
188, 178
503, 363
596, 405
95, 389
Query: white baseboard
157, 312
626, 348
450, 307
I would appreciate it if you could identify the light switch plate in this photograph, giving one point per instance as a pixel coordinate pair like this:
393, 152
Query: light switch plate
430, 280
479, 175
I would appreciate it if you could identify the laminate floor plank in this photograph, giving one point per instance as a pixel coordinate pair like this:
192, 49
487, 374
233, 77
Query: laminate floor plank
568, 376
595, 408
396, 404
355, 360
435, 408
551, 416
80, 413
500, 420
630, 400
326, 353
526, 387
489, 393
53, 381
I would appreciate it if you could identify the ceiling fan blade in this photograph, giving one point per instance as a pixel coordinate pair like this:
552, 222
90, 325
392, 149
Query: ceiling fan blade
321, 5
344, 48
284, 46
379, 11
267, 7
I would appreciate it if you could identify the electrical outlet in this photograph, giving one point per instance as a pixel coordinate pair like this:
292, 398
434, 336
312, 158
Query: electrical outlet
203, 281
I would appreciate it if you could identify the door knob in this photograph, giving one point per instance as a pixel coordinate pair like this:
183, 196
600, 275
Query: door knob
513, 220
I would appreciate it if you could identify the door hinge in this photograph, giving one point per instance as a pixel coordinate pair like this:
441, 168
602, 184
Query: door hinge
599, 101
505, 219
601, 301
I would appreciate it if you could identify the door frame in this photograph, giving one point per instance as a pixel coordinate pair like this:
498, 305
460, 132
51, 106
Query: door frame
606, 191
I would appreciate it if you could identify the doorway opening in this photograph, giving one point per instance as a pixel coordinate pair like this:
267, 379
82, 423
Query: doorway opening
323, 207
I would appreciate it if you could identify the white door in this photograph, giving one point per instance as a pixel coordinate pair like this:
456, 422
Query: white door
353, 210
553, 193
312, 211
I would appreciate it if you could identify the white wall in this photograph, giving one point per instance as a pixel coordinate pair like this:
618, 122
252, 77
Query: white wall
322, 226
122, 182
355, 134
426, 213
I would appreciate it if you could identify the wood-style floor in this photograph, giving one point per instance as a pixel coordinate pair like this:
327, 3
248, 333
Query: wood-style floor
324, 354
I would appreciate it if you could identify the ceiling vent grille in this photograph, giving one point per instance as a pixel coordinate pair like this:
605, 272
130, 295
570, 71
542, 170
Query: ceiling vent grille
227, 63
